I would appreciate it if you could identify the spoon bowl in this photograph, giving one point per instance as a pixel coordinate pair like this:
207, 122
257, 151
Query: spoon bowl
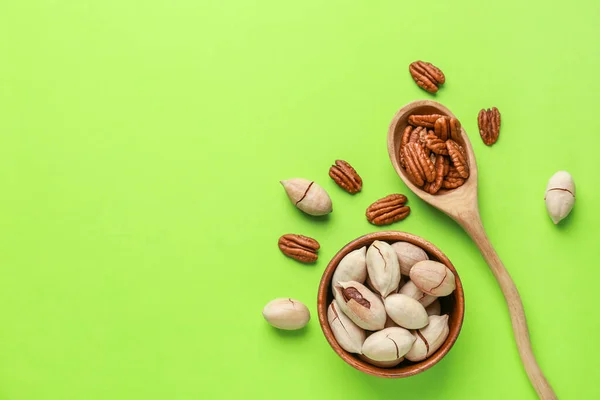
445, 200
461, 204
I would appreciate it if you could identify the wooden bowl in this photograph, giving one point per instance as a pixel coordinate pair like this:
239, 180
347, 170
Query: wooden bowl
453, 305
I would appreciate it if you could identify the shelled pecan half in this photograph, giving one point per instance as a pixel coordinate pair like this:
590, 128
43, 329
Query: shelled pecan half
345, 176
427, 121
426, 75
418, 165
489, 125
388, 210
458, 156
299, 247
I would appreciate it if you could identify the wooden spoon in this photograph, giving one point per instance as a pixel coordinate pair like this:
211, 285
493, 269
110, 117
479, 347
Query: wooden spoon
461, 204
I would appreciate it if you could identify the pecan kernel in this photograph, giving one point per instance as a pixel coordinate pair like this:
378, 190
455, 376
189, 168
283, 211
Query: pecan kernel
345, 176
426, 75
388, 210
299, 247
489, 125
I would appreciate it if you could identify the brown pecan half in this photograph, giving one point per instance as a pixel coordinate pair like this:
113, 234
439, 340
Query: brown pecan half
388, 210
345, 176
403, 141
427, 121
423, 142
406, 135
453, 172
415, 135
426, 75
447, 128
422, 136
412, 170
440, 165
452, 183
442, 128
418, 165
454, 129
489, 125
458, 158
435, 144
446, 168
298, 247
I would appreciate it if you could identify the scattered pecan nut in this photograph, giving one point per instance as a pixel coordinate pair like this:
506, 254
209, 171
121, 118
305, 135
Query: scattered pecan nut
345, 176
489, 125
426, 75
419, 167
298, 247
388, 210
427, 121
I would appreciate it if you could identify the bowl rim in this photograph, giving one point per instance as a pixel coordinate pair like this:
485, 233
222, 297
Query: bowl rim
352, 360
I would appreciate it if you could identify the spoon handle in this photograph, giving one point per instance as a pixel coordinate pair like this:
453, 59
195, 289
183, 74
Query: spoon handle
474, 227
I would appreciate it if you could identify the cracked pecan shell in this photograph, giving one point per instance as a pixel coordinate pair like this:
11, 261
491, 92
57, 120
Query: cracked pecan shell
427, 121
345, 176
489, 125
426, 75
457, 154
298, 247
388, 210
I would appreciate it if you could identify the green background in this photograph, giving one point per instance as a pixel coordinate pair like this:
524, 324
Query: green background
141, 148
